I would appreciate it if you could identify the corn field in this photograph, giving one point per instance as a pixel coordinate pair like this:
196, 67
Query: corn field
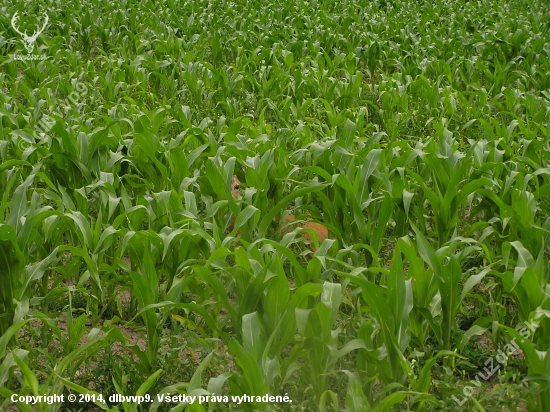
309, 205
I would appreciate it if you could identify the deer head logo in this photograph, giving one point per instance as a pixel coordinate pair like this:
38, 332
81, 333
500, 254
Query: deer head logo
28, 41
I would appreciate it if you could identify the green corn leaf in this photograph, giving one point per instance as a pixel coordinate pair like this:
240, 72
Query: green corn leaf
30, 378
268, 218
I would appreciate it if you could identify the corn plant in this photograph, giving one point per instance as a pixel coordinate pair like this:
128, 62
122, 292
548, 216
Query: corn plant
415, 136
